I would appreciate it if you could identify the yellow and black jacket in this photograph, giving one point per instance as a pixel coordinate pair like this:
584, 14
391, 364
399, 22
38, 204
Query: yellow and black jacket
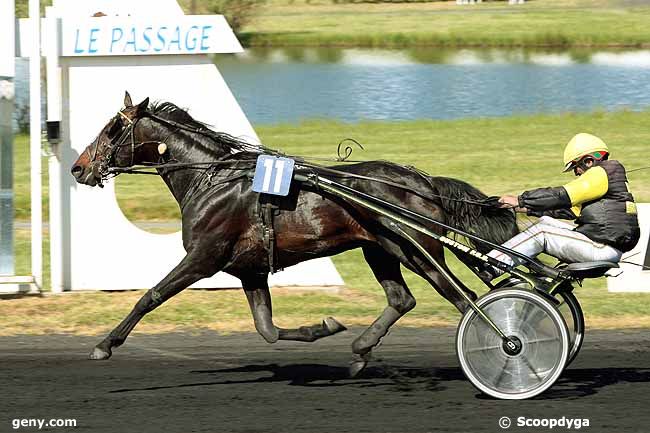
599, 201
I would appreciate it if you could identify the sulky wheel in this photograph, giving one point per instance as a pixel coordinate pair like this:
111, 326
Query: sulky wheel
570, 309
541, 339
575, 321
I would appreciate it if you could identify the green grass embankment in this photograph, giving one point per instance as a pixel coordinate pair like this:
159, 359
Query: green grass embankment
549, 23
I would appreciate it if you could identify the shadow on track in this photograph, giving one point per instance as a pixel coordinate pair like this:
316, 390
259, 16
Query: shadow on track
577, 383
318, 375
573, 384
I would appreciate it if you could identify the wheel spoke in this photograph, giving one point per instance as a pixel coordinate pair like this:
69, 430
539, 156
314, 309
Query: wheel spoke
502, 373
482, 349
542, 340
527, 362
528, 308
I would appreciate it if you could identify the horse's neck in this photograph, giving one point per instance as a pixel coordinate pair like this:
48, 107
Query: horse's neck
186, 148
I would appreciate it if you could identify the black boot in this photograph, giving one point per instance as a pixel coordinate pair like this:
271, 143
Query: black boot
487, 273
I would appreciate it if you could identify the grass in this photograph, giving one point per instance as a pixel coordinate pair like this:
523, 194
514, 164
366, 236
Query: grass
499, 155
227, 311
558, 23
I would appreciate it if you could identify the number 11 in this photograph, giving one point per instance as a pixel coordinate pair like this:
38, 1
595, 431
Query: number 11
268, 170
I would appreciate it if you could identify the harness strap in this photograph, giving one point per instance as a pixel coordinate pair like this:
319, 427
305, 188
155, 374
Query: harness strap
267, 213
125, 117
199, 183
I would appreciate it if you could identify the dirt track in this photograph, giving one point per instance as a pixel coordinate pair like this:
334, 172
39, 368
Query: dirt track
238, 383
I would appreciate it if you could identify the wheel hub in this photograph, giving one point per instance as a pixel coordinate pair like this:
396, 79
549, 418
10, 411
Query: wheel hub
512, 345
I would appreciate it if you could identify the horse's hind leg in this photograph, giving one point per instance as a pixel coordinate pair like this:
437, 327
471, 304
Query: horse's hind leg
259, 300
400, 301
443, 286
421, 266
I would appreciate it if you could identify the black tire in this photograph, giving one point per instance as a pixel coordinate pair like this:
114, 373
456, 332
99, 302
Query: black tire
572, 313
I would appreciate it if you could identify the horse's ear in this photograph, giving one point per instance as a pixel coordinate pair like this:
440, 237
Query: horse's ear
127, 100
142, 107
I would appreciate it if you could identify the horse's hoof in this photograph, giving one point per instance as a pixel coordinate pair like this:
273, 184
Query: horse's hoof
333, 326
98, 354
358, 363
269, 333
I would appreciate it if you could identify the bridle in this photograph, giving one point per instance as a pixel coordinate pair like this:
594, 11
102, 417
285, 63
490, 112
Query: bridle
114, 146
107, 167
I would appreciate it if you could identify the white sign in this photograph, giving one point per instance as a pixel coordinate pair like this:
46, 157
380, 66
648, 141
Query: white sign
131, 36
634, 278
188, 81
7, 42
7, 89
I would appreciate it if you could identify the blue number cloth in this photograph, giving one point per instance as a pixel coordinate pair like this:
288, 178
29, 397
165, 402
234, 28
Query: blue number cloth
273, 175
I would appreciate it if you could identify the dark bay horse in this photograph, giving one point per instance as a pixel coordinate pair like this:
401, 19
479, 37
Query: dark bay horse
222, 228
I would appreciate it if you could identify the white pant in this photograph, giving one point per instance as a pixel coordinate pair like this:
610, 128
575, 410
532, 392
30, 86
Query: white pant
558, 239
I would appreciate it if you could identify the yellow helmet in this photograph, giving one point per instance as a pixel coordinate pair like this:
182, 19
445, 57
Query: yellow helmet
581, 145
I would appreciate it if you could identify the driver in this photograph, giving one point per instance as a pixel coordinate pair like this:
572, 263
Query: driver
598, 200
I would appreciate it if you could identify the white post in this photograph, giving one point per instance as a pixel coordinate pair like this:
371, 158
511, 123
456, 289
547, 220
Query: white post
7, 73
56, 186
35, 143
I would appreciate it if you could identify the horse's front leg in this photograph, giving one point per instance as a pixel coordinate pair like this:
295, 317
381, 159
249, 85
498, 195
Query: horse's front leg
259, 299
188, 271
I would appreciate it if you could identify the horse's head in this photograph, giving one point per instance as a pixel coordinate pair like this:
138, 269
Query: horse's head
115, 146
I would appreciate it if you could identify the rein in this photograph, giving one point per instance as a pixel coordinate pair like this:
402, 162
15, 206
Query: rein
486, 202
142, 168
302, 162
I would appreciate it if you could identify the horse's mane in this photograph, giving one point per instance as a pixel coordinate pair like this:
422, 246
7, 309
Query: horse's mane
172, 112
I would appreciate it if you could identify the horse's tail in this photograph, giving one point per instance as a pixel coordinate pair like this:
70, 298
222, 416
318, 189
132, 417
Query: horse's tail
465, 208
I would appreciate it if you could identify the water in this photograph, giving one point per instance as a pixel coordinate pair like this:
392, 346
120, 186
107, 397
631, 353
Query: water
292, 84
289, 85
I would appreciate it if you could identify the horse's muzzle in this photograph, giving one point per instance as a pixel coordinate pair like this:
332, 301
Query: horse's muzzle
86, 175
